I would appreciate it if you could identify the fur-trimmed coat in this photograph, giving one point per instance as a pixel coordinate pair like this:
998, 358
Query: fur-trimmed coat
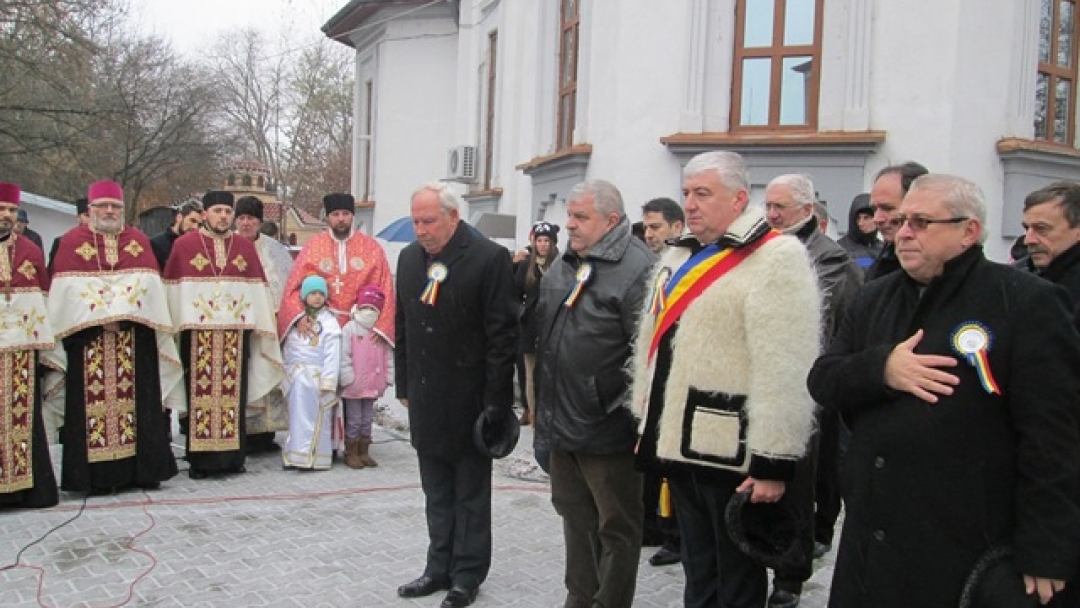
726, 389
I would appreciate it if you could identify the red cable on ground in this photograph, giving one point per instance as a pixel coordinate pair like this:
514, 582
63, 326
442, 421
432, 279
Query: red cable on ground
130, 545
196, 501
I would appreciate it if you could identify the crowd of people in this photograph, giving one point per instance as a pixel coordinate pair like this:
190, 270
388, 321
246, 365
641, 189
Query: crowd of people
703, 388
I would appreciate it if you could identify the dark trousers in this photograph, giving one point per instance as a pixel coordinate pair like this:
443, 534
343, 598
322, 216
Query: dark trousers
522, 379
827, 489
657, 530
599, 499
718, 574
458, 507
800, 493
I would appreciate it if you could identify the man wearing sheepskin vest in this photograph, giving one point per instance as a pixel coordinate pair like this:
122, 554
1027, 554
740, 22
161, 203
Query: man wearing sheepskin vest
723, 405
586, 318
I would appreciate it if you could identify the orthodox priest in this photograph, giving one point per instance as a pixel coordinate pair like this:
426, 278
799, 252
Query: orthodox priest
220, 302
348, 260
26, 341
270, 414
108, 306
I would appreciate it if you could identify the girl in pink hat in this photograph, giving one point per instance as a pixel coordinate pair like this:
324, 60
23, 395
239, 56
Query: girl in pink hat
366, 371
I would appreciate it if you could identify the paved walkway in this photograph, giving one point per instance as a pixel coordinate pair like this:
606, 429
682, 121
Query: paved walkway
286, 538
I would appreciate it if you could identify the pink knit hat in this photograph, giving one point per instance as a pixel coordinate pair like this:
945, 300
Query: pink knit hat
372, 296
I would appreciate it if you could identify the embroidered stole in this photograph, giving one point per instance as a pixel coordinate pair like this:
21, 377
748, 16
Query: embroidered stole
693, 278
109, 394
214, 409
17, 420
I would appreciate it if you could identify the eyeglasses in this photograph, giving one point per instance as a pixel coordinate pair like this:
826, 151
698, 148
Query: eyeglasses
113, 206
919, 223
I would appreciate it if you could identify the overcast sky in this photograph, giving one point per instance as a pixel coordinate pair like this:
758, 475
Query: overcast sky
193, 24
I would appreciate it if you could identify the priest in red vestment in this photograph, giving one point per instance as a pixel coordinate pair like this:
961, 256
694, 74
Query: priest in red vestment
220, 302
26, 342
107, 304
348, 260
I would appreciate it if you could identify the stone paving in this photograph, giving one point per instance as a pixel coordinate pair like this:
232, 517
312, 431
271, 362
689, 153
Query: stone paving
287, 538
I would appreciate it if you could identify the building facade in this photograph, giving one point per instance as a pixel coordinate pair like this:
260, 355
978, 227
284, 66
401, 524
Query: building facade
517, 100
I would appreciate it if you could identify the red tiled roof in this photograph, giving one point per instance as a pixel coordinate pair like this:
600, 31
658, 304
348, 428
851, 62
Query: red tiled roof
306, 217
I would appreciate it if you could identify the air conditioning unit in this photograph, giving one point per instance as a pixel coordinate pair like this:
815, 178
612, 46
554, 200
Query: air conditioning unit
461, 164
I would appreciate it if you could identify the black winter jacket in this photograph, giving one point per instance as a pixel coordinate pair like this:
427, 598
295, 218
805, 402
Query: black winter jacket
582, 386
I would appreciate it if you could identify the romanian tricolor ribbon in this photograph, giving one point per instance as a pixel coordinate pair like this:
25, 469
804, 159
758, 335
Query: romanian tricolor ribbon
437, 273
656, 300
694, 277
583, 275
972, 341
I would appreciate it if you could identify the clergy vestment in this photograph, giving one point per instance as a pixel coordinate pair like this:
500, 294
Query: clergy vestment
26, 345
107, 304
312, 365
347, 266
220, 302
270, 414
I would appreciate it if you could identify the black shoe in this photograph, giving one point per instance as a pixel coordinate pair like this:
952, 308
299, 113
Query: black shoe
820, 549
422, 587
197, 474
783, 599
664, 557
459, 597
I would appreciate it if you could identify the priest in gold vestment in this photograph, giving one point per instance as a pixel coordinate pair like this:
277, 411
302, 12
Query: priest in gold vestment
26, 349
107, 304
220, 302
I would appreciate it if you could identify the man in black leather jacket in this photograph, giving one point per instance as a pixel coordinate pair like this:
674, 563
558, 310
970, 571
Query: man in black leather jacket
586, 321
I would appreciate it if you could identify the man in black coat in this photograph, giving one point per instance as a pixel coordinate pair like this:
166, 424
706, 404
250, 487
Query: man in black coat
890, 186
959, 378
1052, 236
188, 217
456, 341
1052, 239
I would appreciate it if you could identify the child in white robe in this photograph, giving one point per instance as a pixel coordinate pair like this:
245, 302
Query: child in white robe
311, 351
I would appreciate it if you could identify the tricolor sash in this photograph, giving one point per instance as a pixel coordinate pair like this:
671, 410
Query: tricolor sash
694, 277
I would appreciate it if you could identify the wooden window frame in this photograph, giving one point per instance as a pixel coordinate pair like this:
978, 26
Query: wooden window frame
1056, 73
777, 52
567, 85
489, 129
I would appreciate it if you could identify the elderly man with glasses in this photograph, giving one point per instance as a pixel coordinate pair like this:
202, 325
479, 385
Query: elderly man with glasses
108, 306
962, 469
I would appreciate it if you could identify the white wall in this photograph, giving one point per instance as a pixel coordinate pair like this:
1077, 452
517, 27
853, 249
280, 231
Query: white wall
940, 79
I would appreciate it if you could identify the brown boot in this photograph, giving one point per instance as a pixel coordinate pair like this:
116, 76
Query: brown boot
362, 453
352, 454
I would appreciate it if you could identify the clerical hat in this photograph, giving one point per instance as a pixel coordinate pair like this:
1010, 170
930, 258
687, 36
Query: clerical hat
217, 197
339, 201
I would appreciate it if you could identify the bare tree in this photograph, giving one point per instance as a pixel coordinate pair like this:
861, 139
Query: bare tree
320, 143
251, 79
153, 121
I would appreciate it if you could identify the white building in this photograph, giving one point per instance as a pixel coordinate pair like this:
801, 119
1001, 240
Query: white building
540, 94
